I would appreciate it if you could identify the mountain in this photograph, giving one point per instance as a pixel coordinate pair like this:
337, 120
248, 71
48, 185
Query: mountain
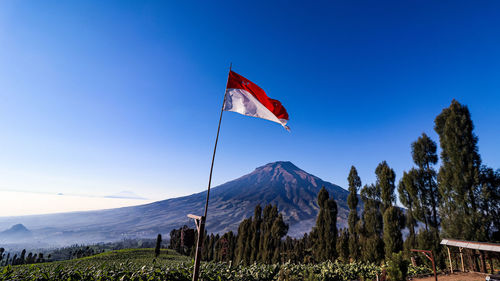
17, 232
281, 183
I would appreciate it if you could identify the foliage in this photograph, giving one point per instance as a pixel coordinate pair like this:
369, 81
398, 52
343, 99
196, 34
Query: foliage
458, 176
393, 223
370, 227
158, 245
397, 267
352, 201
140, 265
325, 230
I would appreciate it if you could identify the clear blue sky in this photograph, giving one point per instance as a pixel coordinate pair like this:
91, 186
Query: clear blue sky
97, 97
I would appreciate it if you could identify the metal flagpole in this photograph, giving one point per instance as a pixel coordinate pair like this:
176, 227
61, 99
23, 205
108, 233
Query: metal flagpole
200, 221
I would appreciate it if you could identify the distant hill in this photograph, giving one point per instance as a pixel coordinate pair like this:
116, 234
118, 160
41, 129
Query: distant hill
17, 232
281, 183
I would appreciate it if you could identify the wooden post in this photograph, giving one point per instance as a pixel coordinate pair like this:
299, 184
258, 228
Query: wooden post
462, 259
449, 257
430, 257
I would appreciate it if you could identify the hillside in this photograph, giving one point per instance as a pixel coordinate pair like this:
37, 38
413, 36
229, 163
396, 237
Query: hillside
281, 183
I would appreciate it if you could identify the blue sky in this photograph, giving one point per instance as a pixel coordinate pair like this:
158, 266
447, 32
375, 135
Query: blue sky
100, 97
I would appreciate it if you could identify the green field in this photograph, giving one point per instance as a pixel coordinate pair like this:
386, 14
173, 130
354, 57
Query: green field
140, 264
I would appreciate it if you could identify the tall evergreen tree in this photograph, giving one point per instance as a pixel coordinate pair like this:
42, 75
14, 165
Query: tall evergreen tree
425, 157
158, 245
385, 182
278, 230
256, 232
325, 230
490, 202
266, 250
393, 223
393, 220
343, 245
459, 174
352, 202
408, 191
243, 239
370, 230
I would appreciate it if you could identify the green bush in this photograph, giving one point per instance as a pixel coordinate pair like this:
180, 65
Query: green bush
397, 267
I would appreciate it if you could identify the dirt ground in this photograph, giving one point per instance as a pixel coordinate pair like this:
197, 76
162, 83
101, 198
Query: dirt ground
456, 277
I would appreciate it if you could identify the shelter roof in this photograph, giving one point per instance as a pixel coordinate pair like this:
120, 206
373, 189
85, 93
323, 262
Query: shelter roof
483, 246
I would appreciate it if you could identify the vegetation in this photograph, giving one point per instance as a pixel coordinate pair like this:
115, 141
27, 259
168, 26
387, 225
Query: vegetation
140, 264
324, 233
397, 267
463, 200
353, 219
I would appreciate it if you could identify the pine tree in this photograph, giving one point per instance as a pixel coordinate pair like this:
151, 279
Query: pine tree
370, 228
393, 223
393, 220
490, 202
343, 245
158, 245
325, 231
459, 174
243, 238
385, 183
266, 250
352, 201
424, 156
256, 233
278, 230
408, 191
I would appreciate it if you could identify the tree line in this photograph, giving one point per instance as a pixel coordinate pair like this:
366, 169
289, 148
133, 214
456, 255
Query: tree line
460, 200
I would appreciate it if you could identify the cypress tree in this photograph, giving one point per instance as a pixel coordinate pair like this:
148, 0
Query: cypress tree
370, 229
325, 231
266, 250
352, 201
490, 202
385, 182
393, 220
278, 231
256, 232
158, 245
407, 190
424, 156
343, 245
459, 174
243, 239
393, 223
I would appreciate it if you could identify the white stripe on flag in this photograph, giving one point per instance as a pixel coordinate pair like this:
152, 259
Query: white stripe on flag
243, 102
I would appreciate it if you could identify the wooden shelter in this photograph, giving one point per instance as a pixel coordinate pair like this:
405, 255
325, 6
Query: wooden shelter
486, 250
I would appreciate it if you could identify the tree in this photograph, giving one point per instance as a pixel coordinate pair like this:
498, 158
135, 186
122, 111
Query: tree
278, 230
158, 245
459, 175
393, 223
425, 157
325, 230
343, 245
256, 232
243, 240
393, 220
408, 190
490, 202
352, 202
385, 182
370, 228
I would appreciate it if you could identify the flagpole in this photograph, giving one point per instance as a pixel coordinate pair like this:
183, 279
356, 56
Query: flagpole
200, 223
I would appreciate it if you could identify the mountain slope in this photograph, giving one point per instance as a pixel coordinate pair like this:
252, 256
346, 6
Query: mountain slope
281, 183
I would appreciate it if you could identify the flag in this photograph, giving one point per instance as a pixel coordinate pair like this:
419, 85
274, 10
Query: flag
245, 97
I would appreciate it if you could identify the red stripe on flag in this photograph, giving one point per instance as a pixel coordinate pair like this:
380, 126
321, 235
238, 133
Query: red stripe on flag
237, 81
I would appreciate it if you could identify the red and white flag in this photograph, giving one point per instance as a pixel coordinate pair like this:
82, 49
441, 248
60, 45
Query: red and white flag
245, 97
